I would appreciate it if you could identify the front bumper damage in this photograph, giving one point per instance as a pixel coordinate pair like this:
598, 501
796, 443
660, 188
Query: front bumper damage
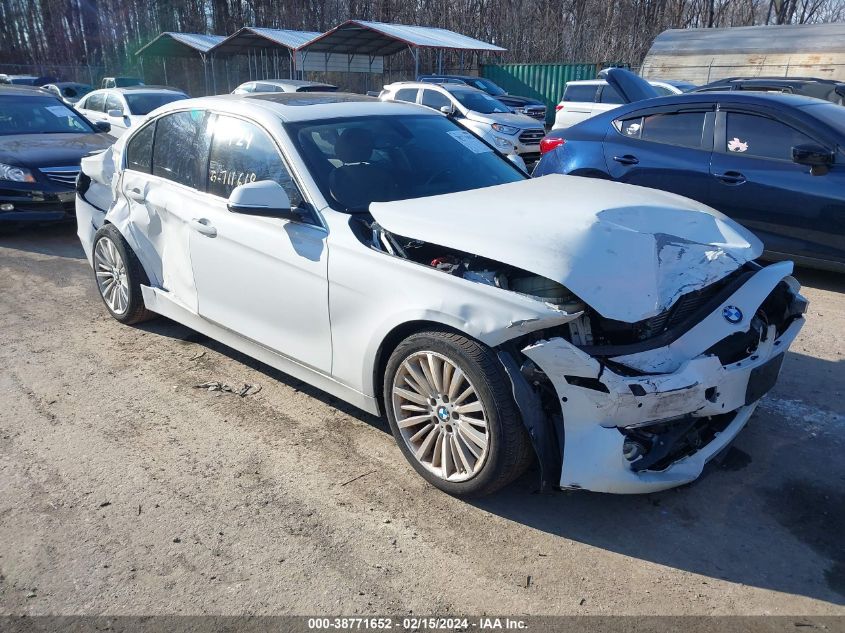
651, 420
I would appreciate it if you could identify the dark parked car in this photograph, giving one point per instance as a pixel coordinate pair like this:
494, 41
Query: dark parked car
827, 89
42, 141
521, 105
774, 162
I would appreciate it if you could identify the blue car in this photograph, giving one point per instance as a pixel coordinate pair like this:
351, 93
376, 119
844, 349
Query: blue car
774, 162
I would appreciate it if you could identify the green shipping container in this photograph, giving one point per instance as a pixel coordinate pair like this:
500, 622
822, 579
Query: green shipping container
539, 81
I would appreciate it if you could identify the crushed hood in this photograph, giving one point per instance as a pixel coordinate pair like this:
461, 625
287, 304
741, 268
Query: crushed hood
629, 252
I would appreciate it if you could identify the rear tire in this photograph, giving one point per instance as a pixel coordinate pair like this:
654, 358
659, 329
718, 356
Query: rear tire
450, 407
119, 276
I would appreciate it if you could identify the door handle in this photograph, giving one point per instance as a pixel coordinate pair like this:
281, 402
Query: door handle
627, 159
136, 194
731, 178
202, 225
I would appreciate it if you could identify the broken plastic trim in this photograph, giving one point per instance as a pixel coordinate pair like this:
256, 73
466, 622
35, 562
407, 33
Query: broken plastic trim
544, 437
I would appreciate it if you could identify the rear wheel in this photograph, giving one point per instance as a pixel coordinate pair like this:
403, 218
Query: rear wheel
119, 276
451, 411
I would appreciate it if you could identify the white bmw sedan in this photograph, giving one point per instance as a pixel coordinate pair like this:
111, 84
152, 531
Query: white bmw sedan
620, 336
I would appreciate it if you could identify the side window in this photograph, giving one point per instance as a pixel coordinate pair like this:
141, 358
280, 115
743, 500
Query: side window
113, 103
580, 92
95, 102
609, 95
762, 137
177, 151
241, 152
406, 94
631, 127
266, 88
434, 99
139, 150
674, 128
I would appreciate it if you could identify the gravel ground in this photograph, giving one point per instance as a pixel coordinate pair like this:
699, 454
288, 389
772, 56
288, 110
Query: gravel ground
126, 490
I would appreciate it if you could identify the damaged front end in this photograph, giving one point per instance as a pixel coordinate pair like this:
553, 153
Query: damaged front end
672, 332
646, 415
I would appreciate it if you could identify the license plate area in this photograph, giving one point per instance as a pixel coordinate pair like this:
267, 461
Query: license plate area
763, 378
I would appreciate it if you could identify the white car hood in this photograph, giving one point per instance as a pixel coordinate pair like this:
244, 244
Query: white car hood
521, 121
629, 252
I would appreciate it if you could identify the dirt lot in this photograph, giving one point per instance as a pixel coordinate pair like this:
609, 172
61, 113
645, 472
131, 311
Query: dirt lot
126, 490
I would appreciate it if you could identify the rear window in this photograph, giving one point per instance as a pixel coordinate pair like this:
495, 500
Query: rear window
406, 94
610, 95
580, 92
145, 103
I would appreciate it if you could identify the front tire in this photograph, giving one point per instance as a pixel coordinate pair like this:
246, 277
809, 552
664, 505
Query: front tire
451, 410
119, 276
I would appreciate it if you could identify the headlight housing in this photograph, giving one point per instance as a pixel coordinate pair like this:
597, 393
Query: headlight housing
503, 145
14, 173
505, 129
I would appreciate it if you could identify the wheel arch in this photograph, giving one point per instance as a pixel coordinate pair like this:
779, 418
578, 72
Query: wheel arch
391, 341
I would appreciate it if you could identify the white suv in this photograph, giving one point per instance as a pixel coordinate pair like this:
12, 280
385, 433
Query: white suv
583, 99
477, 111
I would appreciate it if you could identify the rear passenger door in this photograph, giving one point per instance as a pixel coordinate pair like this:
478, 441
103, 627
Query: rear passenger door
92, 107
263, 277
754, 180
665, 148
161, 183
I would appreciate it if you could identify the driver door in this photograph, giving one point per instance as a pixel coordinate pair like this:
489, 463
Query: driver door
265, 278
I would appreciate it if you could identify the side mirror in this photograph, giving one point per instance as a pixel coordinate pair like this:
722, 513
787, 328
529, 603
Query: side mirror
447, 110
115, 114
266, 198
818, 158
102, 126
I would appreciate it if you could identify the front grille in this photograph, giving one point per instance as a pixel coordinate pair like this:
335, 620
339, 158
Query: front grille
61, 175
536, 113
532, 137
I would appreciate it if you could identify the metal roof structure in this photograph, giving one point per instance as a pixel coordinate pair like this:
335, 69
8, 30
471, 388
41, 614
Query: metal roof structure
253, 37
704, 55
383, 39
173, 44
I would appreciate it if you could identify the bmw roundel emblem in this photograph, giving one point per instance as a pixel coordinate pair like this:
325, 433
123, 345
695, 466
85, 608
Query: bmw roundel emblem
732, 314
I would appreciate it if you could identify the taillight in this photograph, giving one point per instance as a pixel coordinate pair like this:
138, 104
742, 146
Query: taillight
558, 107
550, 142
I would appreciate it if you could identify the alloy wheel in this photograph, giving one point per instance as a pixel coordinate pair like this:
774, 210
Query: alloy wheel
111, 274
440, 416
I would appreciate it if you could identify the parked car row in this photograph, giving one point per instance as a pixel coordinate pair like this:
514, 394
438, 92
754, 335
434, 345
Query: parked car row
618, 335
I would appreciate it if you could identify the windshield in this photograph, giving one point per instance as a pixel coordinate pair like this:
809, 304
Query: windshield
356, 161
479, 101
830, 113
144, 103
487, 86
39, 115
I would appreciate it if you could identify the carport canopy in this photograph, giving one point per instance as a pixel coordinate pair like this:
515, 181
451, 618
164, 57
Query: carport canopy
250, 38
382, 39
172, 44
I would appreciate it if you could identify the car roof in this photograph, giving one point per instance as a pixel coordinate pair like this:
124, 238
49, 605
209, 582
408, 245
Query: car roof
66, 83
723, 96
22, 91
303, 106
448, 87
288, 82
137, 89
